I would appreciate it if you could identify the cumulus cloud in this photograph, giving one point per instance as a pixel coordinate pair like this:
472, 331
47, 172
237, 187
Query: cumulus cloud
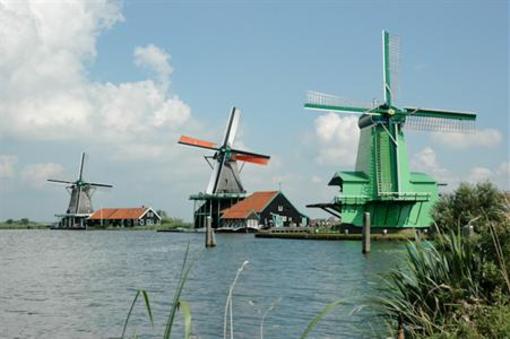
426, 161
44, 89
154, 59
36, 174
487, 138
7, 163
338, 139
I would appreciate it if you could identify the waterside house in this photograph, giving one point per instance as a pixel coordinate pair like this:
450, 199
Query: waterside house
262, 210
124, 217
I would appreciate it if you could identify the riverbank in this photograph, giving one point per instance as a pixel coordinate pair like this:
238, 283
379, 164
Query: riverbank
5, 226
335, 236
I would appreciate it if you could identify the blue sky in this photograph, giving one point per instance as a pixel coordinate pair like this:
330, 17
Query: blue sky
260, 56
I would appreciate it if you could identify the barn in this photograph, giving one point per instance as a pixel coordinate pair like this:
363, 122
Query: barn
262, 210
124, 217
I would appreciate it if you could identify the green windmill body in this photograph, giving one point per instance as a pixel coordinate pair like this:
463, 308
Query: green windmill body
382, 182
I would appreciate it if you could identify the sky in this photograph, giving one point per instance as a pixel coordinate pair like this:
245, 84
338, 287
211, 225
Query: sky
122, 80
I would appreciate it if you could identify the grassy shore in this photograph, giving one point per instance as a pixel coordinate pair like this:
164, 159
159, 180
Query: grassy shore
22, 224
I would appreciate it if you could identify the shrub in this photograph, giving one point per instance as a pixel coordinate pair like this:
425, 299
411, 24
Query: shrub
470, 204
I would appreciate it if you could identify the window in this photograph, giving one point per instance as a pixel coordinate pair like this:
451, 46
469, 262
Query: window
280, 208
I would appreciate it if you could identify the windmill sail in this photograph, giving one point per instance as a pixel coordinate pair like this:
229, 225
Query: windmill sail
232, 126
326, 102
439, 120
225, 176
391, 67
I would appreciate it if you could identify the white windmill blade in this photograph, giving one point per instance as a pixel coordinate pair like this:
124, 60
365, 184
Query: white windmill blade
82, 163
213, 178
232, 126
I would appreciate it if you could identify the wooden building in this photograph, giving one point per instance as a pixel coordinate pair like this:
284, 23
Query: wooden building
262, 210
124, 217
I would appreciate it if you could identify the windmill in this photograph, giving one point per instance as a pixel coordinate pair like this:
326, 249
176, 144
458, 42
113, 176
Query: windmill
80, 203
224, 187
382, 183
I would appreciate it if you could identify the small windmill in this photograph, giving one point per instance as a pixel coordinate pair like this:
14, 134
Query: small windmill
224, 187
80, 203
382, 183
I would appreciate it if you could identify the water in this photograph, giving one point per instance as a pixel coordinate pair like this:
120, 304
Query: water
65, 284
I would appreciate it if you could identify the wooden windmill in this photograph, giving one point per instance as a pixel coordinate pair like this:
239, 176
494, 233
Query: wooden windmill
80, 203
224, 187
382, 183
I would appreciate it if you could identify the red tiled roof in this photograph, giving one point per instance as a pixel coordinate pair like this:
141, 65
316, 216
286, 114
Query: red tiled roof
118, 213
254, 203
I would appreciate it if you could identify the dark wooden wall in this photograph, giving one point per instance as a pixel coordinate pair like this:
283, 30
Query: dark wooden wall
288, 210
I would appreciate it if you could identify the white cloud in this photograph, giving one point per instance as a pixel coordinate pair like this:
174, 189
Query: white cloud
45, 92
36, 175
338, 139
487, 138
7, 163
426, 161
500, 175
504, 169
478, 174
155, 59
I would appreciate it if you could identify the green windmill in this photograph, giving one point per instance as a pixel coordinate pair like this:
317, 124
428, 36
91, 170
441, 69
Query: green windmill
382, 183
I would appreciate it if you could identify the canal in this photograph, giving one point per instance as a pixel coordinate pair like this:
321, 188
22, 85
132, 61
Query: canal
65, 284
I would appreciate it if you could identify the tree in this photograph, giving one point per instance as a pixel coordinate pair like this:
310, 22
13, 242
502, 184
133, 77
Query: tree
162, 214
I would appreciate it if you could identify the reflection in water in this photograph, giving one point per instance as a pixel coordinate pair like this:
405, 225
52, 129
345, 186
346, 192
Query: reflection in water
64, 284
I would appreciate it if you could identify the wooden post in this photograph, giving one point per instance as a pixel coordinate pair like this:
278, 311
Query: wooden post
365, 238
209, 234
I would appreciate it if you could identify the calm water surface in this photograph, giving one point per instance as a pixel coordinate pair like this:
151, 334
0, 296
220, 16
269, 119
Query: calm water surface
64, 284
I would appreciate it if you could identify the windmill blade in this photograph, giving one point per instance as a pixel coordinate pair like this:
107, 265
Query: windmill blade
61, 181
251, 159
94, 184
213, 180
440, 120
82, 163
256, 155
325, 102
232, 126
189, 141
78, 199
391, 66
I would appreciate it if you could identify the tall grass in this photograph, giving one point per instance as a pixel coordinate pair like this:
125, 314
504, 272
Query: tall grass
457, 285
177, 303
185, 308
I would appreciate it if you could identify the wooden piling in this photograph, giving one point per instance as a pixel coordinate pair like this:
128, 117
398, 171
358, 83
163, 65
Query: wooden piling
210, 241
365, 238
